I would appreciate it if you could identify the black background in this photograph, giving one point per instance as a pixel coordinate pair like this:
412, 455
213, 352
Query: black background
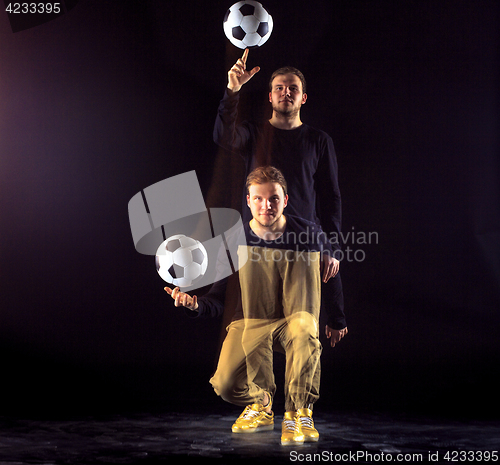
114, 96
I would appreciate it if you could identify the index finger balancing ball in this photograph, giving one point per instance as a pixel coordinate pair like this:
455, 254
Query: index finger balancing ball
247, 24
181, 260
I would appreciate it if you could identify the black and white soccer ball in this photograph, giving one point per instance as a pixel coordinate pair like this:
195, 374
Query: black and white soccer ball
247, 24
181, 260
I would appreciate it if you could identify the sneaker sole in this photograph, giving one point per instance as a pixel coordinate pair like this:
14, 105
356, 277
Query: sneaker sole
253, 430
291, 443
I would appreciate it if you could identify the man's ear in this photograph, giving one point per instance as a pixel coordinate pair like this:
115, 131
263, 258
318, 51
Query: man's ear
285, 203
248, 201
270, 97
304, 98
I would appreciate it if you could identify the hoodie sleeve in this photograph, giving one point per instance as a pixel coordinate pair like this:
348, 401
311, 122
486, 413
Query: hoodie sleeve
227, 133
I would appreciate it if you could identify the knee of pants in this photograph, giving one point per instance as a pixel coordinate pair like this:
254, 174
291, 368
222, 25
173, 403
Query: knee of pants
221, 385
302, 326
226, 386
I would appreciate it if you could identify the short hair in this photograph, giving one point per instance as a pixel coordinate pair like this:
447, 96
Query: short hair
288, 70
264, 174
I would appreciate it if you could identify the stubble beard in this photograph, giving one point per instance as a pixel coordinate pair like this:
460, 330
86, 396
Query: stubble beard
291, 112
273, 221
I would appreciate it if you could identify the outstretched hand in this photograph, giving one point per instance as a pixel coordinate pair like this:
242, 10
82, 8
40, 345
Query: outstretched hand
238, 74
182, 299
335, 335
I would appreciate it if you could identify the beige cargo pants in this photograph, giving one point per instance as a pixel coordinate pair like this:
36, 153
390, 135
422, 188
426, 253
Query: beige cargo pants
280, 292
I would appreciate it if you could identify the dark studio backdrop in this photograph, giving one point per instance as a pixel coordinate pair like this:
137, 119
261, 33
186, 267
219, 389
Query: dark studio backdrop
114, 96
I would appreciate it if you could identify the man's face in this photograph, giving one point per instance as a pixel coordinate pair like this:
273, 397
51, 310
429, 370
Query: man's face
267, 202
286, 94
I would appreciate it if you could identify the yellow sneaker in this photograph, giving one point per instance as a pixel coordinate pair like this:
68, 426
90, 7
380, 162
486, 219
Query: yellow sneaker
291, 430
304, 416
254, 418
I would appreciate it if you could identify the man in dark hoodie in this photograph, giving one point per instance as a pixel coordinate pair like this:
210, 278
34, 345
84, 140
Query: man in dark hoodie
306, 157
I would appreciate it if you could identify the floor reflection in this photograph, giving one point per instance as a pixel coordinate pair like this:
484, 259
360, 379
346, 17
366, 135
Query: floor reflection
150, 438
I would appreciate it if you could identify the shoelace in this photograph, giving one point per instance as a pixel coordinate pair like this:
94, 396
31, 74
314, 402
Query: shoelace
245, 412
306, 421
291, 425
248, 414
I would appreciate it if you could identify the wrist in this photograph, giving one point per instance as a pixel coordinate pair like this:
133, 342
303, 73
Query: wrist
234, 89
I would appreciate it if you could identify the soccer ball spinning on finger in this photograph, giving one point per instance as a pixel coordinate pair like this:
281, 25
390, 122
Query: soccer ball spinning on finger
247, 24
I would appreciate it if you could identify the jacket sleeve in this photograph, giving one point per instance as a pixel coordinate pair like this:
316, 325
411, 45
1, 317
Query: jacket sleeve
331, 292
211, 305
330, 215
227, 133
328, 192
